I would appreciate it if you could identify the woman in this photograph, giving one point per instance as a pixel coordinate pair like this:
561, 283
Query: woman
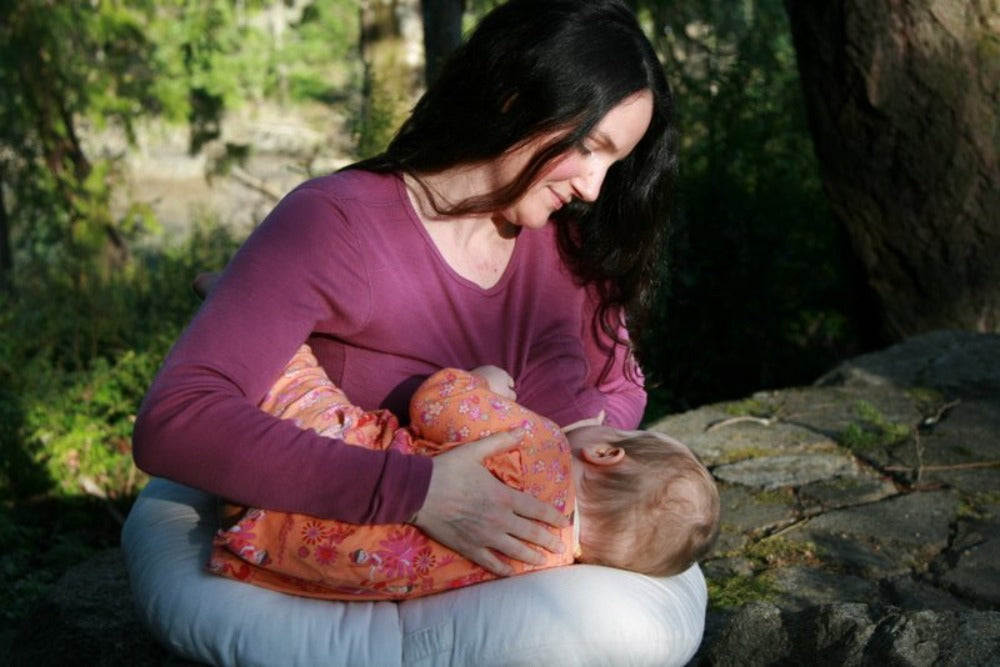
514, 221
438, 253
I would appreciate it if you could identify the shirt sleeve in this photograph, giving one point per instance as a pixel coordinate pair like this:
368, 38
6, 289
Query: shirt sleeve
575, 371
199, 424
613, 372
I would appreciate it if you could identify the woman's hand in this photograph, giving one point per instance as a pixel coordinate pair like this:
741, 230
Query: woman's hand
471, 511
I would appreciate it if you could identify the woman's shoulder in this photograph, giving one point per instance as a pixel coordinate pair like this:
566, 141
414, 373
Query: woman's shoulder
351, 185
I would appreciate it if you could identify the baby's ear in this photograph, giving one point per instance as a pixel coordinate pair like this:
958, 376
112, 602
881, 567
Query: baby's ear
602, 454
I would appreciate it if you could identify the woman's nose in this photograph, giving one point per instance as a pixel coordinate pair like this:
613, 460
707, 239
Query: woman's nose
588, 184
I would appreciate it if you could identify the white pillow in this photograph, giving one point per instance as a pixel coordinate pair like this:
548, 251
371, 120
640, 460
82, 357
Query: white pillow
577, 615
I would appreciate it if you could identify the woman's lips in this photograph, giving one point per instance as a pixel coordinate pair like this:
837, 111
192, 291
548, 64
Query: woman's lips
559, 201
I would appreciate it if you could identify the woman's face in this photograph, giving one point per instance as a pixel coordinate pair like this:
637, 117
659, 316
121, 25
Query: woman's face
579, 172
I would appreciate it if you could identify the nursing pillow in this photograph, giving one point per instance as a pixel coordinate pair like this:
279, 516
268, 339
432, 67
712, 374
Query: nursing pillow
577, 615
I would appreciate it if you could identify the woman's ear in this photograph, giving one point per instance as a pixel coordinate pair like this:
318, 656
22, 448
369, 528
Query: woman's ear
602, 454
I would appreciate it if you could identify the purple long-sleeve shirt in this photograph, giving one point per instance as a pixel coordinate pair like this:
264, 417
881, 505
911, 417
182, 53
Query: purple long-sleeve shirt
344, 263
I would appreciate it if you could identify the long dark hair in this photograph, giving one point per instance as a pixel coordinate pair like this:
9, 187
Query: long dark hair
532, 67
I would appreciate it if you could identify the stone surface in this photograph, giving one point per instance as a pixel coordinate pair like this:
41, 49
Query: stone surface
856, 634
775, 472
976, 556
833, 551
88, 619
895, 562
801, 587
963, 362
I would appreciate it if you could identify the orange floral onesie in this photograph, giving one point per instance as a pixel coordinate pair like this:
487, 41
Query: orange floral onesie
324, 558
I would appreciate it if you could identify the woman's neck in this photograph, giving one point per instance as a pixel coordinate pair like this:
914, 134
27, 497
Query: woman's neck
476, 246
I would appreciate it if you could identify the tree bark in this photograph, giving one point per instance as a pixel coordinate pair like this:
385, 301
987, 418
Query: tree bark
391, 73
902, 98
6, 254
442, 32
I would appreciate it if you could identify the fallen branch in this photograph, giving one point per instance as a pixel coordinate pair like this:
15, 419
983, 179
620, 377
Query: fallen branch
953, 466
933, 419
763, 421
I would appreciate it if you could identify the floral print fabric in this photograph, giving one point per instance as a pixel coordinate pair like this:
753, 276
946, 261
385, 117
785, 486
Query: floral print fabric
323, 558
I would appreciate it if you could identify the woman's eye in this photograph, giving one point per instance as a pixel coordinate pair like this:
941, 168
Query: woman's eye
584, 149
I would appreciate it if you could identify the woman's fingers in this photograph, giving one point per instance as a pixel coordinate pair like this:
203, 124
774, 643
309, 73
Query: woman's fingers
475, 514
497, 443
529, 507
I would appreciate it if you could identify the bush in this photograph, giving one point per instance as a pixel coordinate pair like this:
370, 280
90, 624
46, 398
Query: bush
75, 362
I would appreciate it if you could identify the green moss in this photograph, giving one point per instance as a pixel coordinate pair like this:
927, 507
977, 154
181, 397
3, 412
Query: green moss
774, 496
743, 453
871, 430
988, 48
734, 592
750, 407
781, 551
978, 505
925, 397
845, 483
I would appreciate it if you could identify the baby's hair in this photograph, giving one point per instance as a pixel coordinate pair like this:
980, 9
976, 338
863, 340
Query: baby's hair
656, 513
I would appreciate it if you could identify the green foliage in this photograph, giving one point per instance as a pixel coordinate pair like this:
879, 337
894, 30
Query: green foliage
75, 361
209, 59
63, 64
318, 61
755, 290
382, 114
68, 68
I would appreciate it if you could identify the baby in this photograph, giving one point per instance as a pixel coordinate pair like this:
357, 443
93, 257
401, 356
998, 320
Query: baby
640, 500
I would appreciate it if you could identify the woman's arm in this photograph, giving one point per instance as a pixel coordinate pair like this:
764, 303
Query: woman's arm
199, 424
613, 371
574, 374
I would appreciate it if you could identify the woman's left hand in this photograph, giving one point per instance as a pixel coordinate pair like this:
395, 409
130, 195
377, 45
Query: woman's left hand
474, 513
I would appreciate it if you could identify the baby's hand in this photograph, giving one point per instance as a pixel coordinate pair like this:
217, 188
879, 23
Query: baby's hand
499, 380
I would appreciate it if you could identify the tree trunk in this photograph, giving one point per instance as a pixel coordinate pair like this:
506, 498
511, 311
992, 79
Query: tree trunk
6, 254
902, 100
442, 32
391, 69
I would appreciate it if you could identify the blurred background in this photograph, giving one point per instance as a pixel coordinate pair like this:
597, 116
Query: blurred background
837, 193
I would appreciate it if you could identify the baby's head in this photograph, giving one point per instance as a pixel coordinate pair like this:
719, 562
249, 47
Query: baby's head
645, 501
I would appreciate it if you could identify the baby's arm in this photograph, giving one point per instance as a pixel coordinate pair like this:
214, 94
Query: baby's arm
593, 421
